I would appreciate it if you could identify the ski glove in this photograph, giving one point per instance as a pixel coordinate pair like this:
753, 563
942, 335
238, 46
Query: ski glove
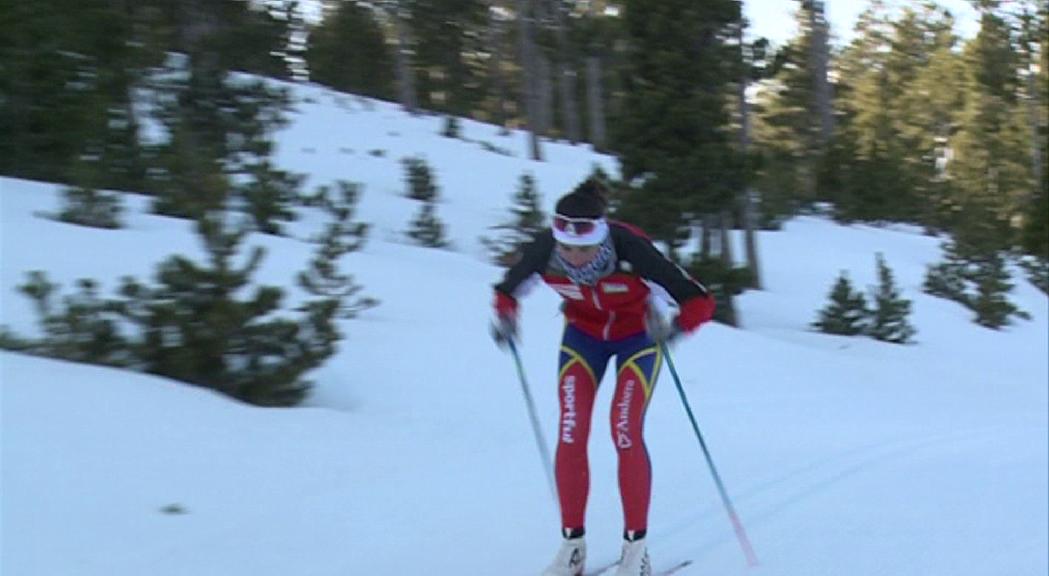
659, 329
504, 327
694, 313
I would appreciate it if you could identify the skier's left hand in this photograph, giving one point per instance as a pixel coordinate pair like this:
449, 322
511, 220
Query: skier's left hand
694, 313
659, 329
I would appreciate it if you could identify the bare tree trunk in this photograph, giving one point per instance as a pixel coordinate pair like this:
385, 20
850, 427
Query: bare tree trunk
746, 195
750, 238
545, 85
595, 103
199, 24
726, 240
707, 236
728, 306
1036, 135
820, 106
529, 69
820, 58
403, 65
566, 76
546, 95
495, 46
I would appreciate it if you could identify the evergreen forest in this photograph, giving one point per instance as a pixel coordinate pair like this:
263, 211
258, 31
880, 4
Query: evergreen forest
714, 130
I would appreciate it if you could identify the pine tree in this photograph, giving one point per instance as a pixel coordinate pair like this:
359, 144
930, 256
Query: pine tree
341, 236
447, 47
1037, 270
673, 135
1035, 231
976, 277
567, 66
348, 52
218, 126
937, 99
1035, 239
598, 35
846, 313
269, 195
190, 181
528, 206
901, 87
194, 326
991, 171
419, 179
451, 128
992, 307
427, 228
755, 62
888, 321
64, 96
528, 219
90, 207
530, 60
83, 328
948, 278
250, 36
795, 128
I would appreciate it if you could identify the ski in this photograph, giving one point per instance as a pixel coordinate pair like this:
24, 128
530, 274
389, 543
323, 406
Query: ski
673, 569
601, 569
666, 572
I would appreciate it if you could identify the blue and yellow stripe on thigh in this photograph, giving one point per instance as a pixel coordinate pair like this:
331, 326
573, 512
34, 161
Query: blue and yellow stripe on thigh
569, 358
645, 363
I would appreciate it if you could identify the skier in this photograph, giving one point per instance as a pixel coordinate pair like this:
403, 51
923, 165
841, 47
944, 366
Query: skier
605, 271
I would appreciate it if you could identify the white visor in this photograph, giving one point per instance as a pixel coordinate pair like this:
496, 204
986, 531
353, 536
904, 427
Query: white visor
592, 237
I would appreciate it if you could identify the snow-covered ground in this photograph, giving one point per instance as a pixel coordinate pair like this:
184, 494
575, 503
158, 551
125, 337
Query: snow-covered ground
844, 456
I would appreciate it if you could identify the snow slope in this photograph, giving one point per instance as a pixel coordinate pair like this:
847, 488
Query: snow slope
844, 456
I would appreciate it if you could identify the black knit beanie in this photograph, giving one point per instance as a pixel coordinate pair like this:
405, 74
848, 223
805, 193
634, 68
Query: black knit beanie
586, 201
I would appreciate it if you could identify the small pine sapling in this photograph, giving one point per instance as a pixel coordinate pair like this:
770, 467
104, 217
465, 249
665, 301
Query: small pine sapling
846, 313
888, 318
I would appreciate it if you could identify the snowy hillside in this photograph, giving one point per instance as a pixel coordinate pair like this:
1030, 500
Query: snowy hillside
844, 456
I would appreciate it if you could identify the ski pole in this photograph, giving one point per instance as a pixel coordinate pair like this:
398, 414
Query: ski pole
741, 534
544, 453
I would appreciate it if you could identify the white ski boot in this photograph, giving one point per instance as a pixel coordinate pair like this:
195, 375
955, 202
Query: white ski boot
570, 559
634, 561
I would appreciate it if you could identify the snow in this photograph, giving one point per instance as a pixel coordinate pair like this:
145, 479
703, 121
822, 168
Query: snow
414, 455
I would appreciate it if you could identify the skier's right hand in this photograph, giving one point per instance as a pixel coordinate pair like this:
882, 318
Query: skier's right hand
504, 331
504, 326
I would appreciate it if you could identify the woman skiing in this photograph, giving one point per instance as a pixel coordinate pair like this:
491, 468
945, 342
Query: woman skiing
605, 271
